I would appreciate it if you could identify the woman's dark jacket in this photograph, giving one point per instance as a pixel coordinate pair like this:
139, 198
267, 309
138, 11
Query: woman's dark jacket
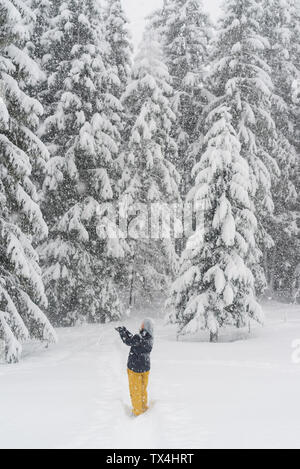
141, 346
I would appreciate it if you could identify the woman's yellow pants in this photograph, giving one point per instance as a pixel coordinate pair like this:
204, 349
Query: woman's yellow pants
138, 383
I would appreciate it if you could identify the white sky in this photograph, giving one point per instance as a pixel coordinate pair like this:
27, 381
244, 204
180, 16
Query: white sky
137, 10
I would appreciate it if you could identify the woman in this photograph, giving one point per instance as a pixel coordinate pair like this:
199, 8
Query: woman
138, 364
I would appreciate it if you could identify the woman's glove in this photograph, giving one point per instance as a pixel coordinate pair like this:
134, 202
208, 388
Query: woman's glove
120, 329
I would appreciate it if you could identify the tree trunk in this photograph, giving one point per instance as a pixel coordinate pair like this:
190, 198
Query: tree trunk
214, 337
132, 282
272, 271
131, 289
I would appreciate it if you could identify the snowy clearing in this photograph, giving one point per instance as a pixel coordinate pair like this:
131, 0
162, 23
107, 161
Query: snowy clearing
75, 394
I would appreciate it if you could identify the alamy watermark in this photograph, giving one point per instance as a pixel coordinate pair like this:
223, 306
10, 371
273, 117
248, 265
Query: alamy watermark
153, 220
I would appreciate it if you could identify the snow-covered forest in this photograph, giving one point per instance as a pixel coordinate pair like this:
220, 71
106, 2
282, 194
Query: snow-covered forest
161, 177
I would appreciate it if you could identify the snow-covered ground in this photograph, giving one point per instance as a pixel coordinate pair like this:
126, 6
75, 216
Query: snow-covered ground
241, 394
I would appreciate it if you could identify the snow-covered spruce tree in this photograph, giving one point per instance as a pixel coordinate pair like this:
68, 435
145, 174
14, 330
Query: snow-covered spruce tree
241, 84
22, 296
149, 178
215, 287
296, 134
80, 259
295, 55
44, 11
185, 32
118, 64
277, 26
120, 48
241, 79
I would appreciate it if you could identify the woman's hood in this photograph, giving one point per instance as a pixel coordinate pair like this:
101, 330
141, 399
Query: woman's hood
149, 326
